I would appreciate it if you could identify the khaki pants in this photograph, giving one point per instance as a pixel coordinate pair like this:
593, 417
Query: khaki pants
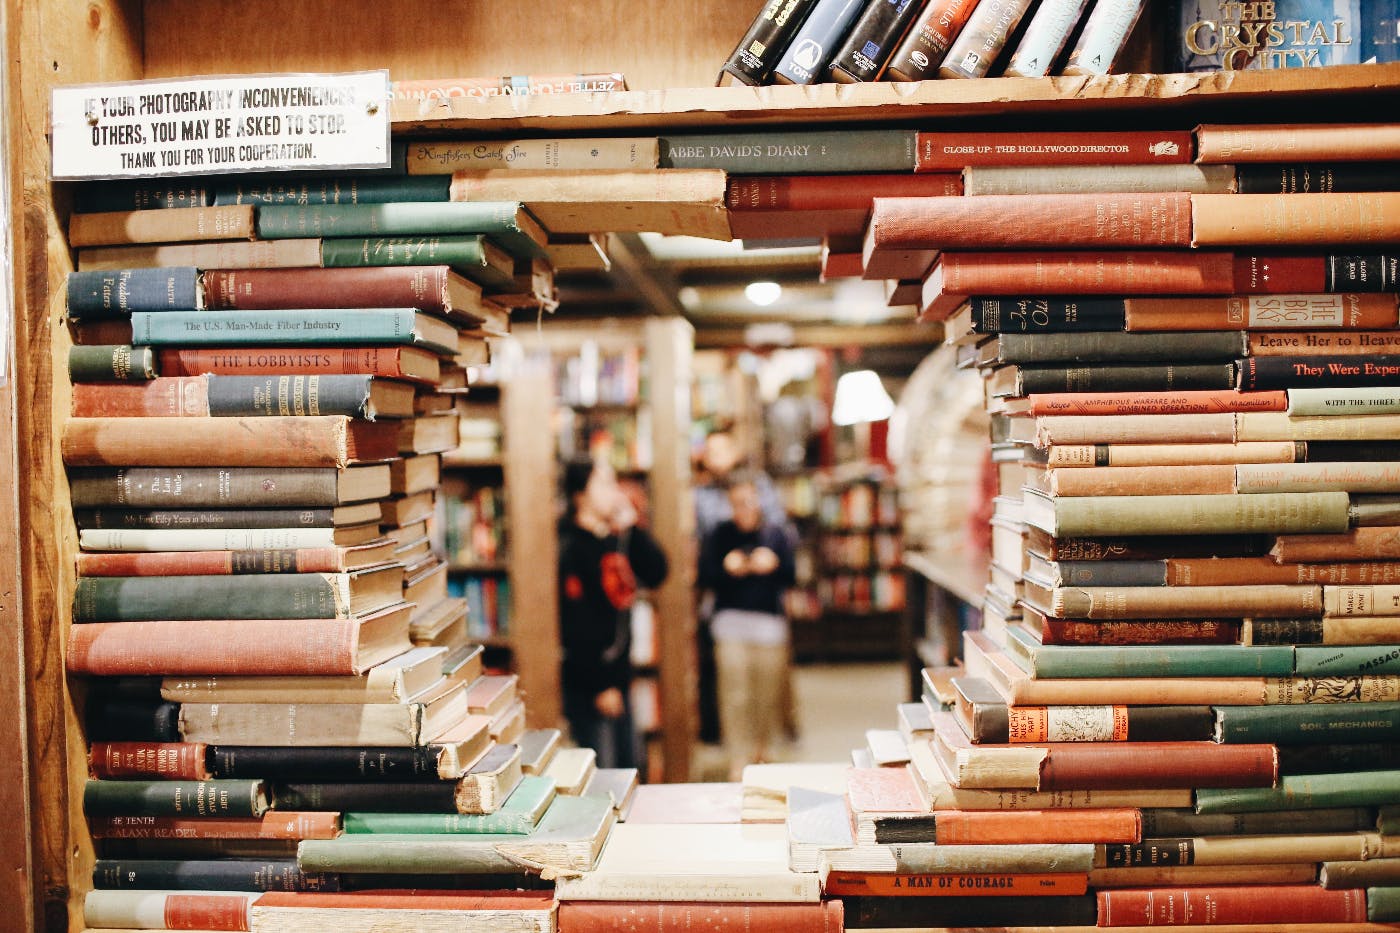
750, 693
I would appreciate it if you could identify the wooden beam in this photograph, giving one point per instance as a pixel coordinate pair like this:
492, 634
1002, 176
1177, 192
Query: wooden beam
634, 268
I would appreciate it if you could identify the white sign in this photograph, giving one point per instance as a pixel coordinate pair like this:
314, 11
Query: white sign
202, 126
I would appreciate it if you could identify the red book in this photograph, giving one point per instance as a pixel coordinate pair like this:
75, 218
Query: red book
627, 916
940, 152
408, 363
980, 884
1023, 827
1029, 221
436, 289
1245, 904
768, 206
840, 265
179, 910
275, 824
167, 761
202, 563
1139, 632
1152, 403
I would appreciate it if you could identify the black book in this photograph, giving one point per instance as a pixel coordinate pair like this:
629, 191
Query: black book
1146, 547
211, 875
767, 39
1315, 177
1039, 315
1017, 381
1286, 631
872, 41
1158, 853
1298, 372
1181, 347
1357, 274
1350, 451
378, 797
1335, 759
323, 764
105, 196
1166, 822
885, 912
132, 721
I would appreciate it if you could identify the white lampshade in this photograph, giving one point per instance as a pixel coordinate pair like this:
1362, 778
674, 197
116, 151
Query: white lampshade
860, 397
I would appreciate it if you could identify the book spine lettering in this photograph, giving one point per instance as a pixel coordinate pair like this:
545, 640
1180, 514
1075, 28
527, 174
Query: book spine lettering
927, 42
863, 55
288, 395
1045, 38
115, 294
1249, 905
1155, 403
174, 798
201, 519
201, 487
1250, 220
183, 761
382, 189
981, 41
757, 52
1286, 372
1033, 315
1315, 178
1105, 31
115, 363
812, 48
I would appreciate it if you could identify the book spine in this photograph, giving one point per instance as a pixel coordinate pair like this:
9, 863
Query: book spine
980, 43
1309, 724
1150, 602
1105, 31
1036, 315
1357, 874
218, 646
991, 827
1158, 822
385, 797
163, 226
1279, 513
1166, 764
1374, 273
156, 194
1378, 477
1033, 724
1315, 177
1141, 632
180, 761
232, 361
440, 824
1139, 455
174, 798
163, 910
1146, 548
1261, 312
283, 725
461, 253
869, 913
1198, 347
1287, 372
1030, 858
201, 519
622, 154
1295, 219
224, 254
926, 44
272, 825
1112, 572
1303, 631
1156, 403
1365, 343
1203, 479
1356, 544
1304, 791
162, 397
257, 328
1380, 400
1361, 600
1333, 660
814, 45
1077, 179
1164, 852
768, 37
1127, 378
111, 363
1215, 429
1045, 38
115, 294
1249, 905
201, 487
900, 884
421, 287
369, 189
1099, 220
289, 395
1087, 273
118, 721
1041, 151
146, 599
224, 875
863, 55
1172, 661
802, 193
200, 563
795, 153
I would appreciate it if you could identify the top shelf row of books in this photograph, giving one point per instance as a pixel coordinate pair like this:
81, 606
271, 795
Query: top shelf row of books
1278, 95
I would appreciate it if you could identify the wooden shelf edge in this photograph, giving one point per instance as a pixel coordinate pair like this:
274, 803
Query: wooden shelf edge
880, 101
963, 576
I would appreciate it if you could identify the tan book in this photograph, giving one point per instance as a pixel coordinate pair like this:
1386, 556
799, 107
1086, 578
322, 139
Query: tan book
509, 725
567, 155
439, 624
1296, 142
427, 586
1174, 602
765, 786
538, 748
700, 862
1159, 455
492, 694
1379, 600
1279, 426
307, 440
315, 724
1351, 219
462, 747
489, 781
1198, 479
226, 254
418, 473
394, 681
1378, 542
571, 769
173, 225
1357, 400
1374, 476
1277, 513
579, 251
1045, 431
686, 202
428, 434
1324, 343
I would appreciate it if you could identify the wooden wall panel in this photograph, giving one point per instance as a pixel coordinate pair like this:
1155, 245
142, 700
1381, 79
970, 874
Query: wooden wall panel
61, 42
679, 43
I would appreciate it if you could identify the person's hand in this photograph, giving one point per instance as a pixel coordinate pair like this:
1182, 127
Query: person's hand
736, 563
624, 513
762, 561
609, 703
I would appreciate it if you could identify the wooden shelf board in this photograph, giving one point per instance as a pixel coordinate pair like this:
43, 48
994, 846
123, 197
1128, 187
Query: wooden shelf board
964, 575
881, 102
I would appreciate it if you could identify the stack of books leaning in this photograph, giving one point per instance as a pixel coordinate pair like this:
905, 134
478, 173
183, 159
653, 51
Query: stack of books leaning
1190, 633
287, 721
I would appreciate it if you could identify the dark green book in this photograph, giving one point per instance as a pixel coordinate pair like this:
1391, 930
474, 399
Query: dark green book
1388, 820
1159, 822
301, 327
208, 875
1304, 792
1071, 661
798, 152
280, 596
1163, 377
473, 256
1184, 347
1383, 904
507, 223
518, 816
175, 798
1342, 661
101, 197
1335, 758
1308, 723
111, 363
361, 189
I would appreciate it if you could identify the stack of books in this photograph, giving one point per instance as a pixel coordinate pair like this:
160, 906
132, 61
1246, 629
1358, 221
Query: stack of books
280, 694
1191, 622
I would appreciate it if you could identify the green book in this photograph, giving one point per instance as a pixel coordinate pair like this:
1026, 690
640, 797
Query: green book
280, 596
364, 189
1383, 904
1305, 792
1388, 820
314, 327
473, 256
175, 798
1334, 661
518, 816
1160, 823
798, 152
111, 363
508, 223
1071, 661
1308, 723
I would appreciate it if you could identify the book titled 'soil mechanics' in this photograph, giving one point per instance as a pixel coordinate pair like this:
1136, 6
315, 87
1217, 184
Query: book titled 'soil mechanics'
1216, 35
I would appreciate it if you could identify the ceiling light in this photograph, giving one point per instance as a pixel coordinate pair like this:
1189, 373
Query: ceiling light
861, 397
763, 294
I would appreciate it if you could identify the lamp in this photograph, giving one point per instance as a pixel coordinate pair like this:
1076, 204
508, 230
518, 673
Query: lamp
763, 294
860, 397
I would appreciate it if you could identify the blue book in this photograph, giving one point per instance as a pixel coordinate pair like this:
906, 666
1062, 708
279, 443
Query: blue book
334, 326
116, 293
1218, 35
818, 41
